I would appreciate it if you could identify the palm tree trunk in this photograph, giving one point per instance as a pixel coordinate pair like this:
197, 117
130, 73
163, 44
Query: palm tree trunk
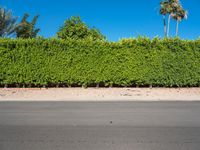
168, 28
165, 27
177, 26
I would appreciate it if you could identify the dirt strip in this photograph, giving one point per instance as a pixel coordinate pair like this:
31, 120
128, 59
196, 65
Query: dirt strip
100, 94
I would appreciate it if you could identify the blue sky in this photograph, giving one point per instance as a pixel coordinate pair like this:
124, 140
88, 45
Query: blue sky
115, 18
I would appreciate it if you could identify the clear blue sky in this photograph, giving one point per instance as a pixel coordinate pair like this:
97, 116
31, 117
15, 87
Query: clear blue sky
115, 18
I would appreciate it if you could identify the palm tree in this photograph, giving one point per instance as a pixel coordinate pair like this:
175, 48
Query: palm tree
163, 12
27, 29
179, 16
166, 9
7, 22
172, 9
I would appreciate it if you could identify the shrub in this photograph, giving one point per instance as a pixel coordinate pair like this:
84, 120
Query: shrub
75, 28
129, 62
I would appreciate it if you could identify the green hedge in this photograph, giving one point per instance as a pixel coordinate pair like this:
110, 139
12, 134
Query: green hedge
129, 62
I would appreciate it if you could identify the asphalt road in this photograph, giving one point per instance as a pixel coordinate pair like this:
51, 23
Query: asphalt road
99, 125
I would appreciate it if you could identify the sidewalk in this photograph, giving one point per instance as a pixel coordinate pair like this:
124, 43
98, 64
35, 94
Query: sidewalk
100, 94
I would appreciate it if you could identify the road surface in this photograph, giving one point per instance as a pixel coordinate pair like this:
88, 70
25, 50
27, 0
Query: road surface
99, 125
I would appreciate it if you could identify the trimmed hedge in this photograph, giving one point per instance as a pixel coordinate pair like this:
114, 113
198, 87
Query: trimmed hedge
129, 62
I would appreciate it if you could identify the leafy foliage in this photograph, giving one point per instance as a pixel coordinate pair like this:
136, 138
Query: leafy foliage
7, 22
129, 62
74, 28
27, 29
